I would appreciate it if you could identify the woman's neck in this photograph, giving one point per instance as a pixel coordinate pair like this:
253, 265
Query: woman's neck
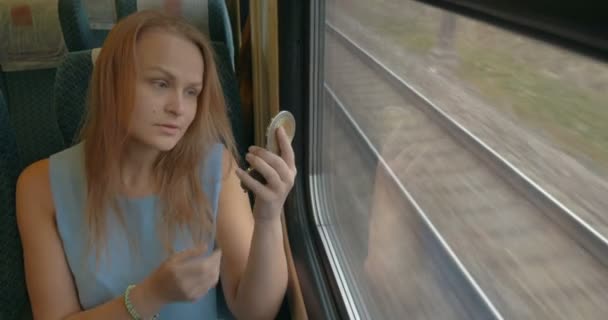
137, 170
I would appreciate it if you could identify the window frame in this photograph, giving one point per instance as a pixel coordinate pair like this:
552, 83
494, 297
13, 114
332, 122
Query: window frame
300, 48
578, 26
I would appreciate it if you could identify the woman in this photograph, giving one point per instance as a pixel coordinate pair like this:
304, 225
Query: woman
123, 224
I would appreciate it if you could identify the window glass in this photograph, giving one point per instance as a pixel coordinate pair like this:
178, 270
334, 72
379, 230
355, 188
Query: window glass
425, 117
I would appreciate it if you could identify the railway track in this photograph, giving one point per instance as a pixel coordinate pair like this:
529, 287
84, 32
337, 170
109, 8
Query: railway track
507, 249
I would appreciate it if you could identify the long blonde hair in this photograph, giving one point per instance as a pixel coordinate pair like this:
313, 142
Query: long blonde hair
183, 203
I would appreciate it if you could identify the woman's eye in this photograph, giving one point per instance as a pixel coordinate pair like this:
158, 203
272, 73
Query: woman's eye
192, 92
160, 84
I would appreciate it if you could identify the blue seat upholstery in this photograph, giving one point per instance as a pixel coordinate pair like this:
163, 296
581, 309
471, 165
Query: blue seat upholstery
73, 77
13, 296
76, 29
30, 103
220, 28
232, 95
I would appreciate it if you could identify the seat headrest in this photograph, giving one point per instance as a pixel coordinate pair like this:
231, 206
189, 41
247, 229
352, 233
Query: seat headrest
209, 16
80, 32
30, 35
102, 14
195, 11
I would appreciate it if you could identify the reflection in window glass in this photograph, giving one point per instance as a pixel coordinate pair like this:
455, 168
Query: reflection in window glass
390, 165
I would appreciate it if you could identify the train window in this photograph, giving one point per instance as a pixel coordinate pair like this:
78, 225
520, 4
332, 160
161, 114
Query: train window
461, 169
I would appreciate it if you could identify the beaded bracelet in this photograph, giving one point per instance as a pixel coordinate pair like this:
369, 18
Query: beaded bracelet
134, 315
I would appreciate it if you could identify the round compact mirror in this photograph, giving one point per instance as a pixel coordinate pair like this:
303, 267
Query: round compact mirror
283, 119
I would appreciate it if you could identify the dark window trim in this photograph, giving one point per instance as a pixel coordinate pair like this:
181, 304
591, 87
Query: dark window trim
580, 26
316, 281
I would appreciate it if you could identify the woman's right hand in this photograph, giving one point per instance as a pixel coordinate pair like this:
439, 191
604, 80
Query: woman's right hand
185, 276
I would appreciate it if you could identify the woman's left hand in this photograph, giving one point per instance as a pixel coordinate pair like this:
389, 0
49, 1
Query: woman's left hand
279, 172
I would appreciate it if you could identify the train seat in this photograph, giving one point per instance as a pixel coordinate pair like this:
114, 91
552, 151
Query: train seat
33, 46
13, 298
79, 29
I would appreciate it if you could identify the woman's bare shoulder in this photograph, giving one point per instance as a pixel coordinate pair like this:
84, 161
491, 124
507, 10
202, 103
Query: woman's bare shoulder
34, 188
50, 286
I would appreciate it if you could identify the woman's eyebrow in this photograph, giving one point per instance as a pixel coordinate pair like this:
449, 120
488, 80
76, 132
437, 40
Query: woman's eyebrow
172, 77
163, 71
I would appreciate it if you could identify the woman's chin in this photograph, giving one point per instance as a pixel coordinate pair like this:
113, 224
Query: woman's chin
163, 144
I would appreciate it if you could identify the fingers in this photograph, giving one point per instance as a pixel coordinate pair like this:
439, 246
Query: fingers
205, 273
278, 171
286, 149
209, 281
266, 164
201, 265
252, 184
191, 253
271, 166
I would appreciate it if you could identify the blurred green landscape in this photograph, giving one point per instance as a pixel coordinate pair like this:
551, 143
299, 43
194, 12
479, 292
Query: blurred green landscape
550, 90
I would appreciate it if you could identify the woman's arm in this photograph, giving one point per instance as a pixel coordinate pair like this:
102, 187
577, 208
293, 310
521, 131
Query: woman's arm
254, 269
49, 281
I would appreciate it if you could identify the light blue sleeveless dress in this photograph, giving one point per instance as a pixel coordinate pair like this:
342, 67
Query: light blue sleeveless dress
120, 267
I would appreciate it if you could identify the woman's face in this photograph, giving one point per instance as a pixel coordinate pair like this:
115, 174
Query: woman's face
169, 79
